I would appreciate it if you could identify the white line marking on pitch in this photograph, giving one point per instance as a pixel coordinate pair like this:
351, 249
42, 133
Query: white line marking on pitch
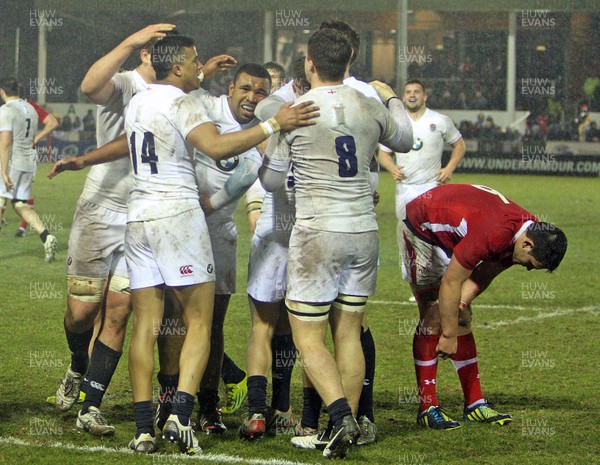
218, 458
476, 305
539, 316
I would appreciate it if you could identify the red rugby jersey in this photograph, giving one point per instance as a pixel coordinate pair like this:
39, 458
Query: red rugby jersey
472, 222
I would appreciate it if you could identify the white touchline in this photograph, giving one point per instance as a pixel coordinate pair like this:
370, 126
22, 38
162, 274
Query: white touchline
217, 458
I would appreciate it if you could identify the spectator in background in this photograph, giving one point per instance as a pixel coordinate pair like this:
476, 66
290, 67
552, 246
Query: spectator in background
77, 124
67, 124
89, 127
593, 133
478, 124
479, 101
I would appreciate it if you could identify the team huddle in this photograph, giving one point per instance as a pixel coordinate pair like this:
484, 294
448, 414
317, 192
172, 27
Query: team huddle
153, 234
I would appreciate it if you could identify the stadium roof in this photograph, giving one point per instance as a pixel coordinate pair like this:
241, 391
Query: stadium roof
198, 6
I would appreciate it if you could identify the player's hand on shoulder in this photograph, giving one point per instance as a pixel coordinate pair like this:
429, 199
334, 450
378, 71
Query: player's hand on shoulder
218, 64
143, 36
302, 114
384, 91
66, 164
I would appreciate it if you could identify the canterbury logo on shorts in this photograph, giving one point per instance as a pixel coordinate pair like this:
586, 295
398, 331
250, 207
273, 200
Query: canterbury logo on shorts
186, 270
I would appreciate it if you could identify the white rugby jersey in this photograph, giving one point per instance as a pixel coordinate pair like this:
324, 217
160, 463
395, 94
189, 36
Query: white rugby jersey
211, 174
331, 159
21, 119
430, 132
109, 184
164, 180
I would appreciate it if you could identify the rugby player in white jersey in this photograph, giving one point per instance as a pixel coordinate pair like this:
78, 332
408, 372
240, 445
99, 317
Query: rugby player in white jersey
312, 403
166, 241
96, 270
334, 243
221, 184
270, 341
421, 169
18, 127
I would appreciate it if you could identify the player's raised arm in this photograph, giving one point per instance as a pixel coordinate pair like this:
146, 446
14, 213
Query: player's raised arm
114, 150
97, 84
207, 139
218, 64
402, 139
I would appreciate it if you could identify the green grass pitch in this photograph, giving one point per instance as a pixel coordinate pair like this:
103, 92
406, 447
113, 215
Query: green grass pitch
536, 335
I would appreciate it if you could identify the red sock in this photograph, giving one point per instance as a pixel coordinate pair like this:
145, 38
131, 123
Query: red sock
425, 358
465, 362
24, 223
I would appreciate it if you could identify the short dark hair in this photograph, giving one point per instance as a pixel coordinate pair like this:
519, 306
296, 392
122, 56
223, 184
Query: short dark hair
299, 75
274, 66
252, 69
148, 45
351, 35
11, 86
549, 244
167, 52
416, 81
330, 52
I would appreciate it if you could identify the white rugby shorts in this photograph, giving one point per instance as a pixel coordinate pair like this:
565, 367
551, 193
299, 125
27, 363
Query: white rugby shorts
175, 251
96, 242
323, 264
223, 237
267, 270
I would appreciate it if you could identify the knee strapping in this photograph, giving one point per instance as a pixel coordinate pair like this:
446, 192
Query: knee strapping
119, 284
85, 289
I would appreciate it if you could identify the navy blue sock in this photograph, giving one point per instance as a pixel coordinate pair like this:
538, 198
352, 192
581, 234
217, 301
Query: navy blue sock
311, 410
78, 345
284, 357
183, 407
143, 418
208, 399
102, 366
365, 404
257, 394
230, 372
338, 409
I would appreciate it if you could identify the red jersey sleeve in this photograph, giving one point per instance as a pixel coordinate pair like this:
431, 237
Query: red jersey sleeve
41, 111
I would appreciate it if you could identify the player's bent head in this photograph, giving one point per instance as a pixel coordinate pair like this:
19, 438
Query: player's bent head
330, 52
11, 87
168, 52
351, 35
252, 69
549, 244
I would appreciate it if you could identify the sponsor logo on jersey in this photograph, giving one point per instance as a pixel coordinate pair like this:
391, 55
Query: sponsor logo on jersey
417, 144
209, 268
229, 164
186, 270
